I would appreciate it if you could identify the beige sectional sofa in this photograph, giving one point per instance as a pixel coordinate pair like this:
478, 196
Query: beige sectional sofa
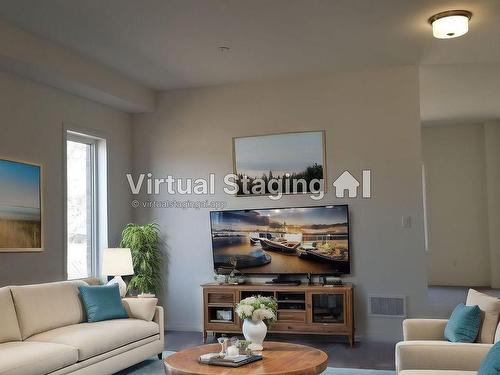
43, 330
424, 350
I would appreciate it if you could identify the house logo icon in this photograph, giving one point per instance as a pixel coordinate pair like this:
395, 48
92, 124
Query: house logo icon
346, 181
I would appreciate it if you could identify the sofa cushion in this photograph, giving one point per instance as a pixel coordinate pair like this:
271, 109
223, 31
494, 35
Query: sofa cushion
9, 328
102, 302
92, 339
34, 358
491, 364
490, 311
432, 355
43, 307
464, 324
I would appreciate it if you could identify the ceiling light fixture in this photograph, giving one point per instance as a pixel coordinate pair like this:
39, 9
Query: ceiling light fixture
450, 24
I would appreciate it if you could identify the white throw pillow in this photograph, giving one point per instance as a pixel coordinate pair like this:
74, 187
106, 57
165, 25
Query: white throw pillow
140, 308
490, 311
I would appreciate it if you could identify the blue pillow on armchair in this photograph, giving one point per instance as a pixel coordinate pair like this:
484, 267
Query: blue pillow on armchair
491, 364
464, 324
102, 302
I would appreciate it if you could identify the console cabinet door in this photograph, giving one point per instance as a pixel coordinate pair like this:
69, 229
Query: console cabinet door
220, 314
329, 311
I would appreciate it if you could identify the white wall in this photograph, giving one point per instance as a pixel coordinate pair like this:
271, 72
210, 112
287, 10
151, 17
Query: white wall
43, 61
492, 152
457, 205
371, 120
459, 93
32, 117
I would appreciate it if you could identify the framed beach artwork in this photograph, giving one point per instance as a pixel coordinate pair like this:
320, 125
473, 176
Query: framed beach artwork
294, 161
20, 206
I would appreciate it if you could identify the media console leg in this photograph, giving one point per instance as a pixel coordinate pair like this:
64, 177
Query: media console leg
205, 337
160, 356
351, 340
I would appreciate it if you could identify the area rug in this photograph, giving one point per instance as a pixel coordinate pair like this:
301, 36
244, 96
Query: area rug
155, 367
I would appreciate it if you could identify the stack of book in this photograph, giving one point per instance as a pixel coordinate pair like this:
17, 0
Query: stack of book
217, 360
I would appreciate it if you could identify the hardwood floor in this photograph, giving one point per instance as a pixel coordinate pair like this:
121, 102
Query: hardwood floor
366, 355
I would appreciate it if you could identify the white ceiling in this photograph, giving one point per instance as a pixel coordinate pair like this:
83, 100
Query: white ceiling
173, 43
167, 44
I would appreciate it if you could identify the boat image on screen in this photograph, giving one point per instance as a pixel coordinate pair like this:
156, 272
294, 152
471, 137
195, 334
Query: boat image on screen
286, 240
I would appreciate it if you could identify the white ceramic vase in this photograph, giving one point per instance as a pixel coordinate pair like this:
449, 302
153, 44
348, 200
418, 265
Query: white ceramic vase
255, 332
121, 285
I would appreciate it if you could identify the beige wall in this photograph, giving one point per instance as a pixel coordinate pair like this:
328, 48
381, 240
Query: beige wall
52, 64
457, 205
371, 120
32, 130
492, 152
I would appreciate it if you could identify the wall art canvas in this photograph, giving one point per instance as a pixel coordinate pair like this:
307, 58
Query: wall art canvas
283, 157
20, 206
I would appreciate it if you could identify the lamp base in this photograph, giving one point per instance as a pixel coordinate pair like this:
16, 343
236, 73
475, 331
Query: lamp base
121, 285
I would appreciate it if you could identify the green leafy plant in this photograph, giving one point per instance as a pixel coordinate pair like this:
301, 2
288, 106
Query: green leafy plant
144, 242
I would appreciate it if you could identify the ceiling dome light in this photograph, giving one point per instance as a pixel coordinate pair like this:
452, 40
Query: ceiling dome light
450, 24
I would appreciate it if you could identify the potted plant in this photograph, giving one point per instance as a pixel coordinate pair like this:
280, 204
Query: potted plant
144, 243
257, 313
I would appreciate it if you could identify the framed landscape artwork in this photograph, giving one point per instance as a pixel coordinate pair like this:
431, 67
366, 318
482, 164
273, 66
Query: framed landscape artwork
20, 206
285, 157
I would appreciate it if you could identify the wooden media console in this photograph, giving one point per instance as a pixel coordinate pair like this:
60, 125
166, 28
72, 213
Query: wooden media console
302, 309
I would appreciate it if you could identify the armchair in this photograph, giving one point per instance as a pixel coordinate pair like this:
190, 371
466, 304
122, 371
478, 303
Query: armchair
424, 350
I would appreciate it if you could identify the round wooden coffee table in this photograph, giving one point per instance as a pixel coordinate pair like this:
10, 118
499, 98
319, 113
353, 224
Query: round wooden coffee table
279, 358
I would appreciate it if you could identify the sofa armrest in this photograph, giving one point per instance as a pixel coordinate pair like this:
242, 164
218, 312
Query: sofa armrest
439, 355
159, 319
424, 329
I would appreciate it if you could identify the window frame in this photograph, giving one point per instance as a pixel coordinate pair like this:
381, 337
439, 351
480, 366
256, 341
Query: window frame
425, 209
93, 142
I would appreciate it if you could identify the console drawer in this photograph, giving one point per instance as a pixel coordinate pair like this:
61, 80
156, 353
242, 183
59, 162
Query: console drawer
291, 316
220, 298
289, 327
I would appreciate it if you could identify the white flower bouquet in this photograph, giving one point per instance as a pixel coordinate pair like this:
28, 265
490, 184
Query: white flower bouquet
258, 308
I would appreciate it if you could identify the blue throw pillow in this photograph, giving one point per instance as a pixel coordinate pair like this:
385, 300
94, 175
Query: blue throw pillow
464, 324
491, 364
102, 302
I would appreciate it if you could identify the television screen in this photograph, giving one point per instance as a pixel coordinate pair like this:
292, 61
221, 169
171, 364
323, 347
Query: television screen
284, 240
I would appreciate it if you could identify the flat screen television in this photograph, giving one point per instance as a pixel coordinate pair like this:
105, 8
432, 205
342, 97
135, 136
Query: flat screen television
302, 240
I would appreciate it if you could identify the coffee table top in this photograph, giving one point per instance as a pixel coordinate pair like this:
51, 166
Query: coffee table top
279, 358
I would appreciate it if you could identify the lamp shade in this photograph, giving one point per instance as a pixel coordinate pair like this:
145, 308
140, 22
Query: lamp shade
117, 262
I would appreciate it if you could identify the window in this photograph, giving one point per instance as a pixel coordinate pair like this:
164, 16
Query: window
83, 185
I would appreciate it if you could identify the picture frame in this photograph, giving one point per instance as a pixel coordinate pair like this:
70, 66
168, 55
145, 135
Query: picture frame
275, 155
21, 206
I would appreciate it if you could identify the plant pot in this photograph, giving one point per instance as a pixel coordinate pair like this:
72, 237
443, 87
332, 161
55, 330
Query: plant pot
146, 295
255, 332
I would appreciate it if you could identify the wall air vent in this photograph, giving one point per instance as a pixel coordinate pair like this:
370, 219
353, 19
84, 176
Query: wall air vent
387, 306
